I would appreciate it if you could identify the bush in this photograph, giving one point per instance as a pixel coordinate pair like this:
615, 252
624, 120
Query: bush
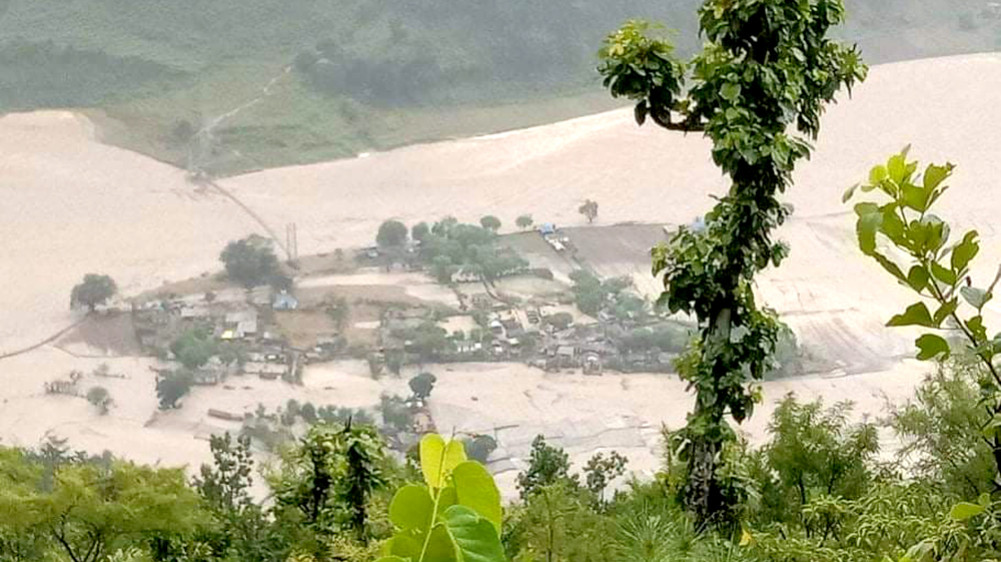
100, 397
524, 222
422, 385
480, 447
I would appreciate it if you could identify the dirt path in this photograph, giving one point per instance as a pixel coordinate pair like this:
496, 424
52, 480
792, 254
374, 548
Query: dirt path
46, 341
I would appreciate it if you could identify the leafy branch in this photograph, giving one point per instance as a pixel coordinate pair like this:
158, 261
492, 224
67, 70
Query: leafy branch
937, 271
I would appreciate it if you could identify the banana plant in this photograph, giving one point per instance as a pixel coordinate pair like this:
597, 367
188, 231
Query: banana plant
454, 516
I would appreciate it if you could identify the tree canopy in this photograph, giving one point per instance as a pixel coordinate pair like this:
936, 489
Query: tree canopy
93, 290
250, 261
392, 234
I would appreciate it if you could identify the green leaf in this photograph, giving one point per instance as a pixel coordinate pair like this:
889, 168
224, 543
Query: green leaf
475, 489
405, 546
392, 559
976, 297
866, 229
475, 536
442, 546
412, 508
893, 226
730, 91
945, 310
976, 327
877, 174
849, 193
942, 274
915, 197
438, 458
897, 168
931, 346
965, 510
935, 175
917, 278
447, 498
916, 315
865, 208
965, 251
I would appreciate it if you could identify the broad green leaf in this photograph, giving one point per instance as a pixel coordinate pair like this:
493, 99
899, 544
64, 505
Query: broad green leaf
447, 498
931, 346
936, 232
475, 536
917, 278
916, 315
475, 489
943, 274
915, 197
405, 546
893, 226
441, 546
935, 175
897, 168
730, 91
945, 310
866, 229
392, 559
965, 251
432, 452
877, 174
412, 508
976, 327
865, 208
965, 510
976, 297
438, 458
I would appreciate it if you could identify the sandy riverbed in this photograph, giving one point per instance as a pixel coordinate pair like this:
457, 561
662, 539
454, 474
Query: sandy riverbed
72, 206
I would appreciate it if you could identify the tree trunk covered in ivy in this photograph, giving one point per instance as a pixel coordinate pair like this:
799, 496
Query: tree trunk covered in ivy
757, 90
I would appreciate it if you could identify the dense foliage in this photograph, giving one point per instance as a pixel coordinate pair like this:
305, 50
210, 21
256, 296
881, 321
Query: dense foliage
452, 250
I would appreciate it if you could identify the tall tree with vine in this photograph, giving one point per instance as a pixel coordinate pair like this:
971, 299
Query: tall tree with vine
757, 90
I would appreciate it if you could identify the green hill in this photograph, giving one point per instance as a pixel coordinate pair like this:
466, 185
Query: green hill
308, 80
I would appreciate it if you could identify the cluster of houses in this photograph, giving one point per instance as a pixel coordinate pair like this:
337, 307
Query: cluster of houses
239, 317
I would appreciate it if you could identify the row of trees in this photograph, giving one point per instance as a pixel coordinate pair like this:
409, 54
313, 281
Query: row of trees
249, 262
449, 248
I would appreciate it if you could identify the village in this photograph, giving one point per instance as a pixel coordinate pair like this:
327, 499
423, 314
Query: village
393, 307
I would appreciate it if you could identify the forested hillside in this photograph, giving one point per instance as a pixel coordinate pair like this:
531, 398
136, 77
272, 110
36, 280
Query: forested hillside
347, 77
